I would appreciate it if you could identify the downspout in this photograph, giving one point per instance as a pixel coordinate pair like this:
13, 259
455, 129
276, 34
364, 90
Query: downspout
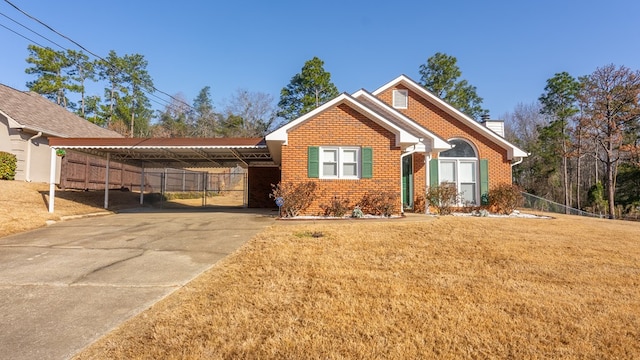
27, 176
518, 162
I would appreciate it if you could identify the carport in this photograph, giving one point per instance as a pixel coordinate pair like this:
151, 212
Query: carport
179, 153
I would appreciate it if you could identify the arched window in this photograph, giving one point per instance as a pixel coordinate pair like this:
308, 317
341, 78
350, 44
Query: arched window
459, 166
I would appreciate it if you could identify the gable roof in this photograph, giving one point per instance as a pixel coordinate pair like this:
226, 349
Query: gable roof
280, 136
436, 142
30, 111
512, 150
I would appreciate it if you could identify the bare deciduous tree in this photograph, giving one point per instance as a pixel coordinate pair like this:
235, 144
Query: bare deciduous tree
611, 109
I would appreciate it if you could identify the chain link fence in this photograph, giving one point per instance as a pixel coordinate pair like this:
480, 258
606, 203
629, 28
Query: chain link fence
540, 204
181, 183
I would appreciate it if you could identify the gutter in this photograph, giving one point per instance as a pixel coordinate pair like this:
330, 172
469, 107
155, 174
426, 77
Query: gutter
27, 177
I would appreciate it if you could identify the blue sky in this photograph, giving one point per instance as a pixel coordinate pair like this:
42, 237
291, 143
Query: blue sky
507, 49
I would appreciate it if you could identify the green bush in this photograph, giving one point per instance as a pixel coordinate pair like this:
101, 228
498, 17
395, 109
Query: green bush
597, 199
383, 203
7, 166
297, 197
443, 197
504, 198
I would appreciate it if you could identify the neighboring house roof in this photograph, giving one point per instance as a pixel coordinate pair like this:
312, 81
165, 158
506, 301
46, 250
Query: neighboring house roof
30, 111
512, 150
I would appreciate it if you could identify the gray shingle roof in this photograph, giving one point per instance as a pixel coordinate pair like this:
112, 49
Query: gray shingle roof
33, 112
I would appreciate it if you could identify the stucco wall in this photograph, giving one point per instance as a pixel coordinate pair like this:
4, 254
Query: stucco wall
16, 142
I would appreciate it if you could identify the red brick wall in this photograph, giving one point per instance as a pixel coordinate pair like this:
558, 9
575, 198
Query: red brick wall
259, 183
419, 175
342, 126
447, 127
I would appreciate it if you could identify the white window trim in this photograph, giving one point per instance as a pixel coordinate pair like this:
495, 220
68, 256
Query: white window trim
340, 151
405, 94
456, 170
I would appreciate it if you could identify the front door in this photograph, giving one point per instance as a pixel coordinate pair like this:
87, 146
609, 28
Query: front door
407, 182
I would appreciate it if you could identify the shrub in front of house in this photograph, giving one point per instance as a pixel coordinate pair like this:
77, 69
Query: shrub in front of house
7, 166
443, 198
337, 207
419, 205
296, 197
504, 198
380, 204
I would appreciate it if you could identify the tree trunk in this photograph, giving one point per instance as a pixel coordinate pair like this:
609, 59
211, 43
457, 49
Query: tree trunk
133, 114
578, 163
611, 188
565, 172
565, 178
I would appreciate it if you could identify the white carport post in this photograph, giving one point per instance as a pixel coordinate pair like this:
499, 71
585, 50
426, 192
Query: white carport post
52, 179
106, 182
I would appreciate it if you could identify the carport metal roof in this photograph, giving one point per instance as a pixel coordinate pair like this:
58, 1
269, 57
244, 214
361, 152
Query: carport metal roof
164, 152
173, 152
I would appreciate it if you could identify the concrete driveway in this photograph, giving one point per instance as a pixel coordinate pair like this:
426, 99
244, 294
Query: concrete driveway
64, 286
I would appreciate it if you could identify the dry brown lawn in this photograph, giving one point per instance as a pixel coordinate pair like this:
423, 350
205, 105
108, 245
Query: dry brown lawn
447, 287
25, 206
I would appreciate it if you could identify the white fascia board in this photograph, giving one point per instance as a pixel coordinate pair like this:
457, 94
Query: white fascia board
512, 150
438, 142
280, 134
401, 135
14, 124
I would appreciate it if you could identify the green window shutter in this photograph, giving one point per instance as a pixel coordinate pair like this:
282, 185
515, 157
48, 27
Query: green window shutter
367, 162
484, 181
433, 173
313, 162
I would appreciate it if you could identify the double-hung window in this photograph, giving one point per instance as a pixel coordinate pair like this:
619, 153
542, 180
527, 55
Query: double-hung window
340, 162
459, 167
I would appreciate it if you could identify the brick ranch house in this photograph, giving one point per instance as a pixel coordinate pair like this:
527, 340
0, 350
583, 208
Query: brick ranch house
400, 138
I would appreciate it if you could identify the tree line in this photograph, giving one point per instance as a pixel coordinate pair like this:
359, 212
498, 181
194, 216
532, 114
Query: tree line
583, 133
584, 138
127, 92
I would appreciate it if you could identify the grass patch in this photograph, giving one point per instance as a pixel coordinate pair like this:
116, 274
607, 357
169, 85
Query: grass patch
448, 287
312, 234
25, 206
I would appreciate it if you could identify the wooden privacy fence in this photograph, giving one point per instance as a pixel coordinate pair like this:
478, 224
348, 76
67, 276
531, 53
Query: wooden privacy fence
87, 172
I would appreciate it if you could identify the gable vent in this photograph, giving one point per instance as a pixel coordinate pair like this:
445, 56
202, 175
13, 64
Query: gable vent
400, 99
